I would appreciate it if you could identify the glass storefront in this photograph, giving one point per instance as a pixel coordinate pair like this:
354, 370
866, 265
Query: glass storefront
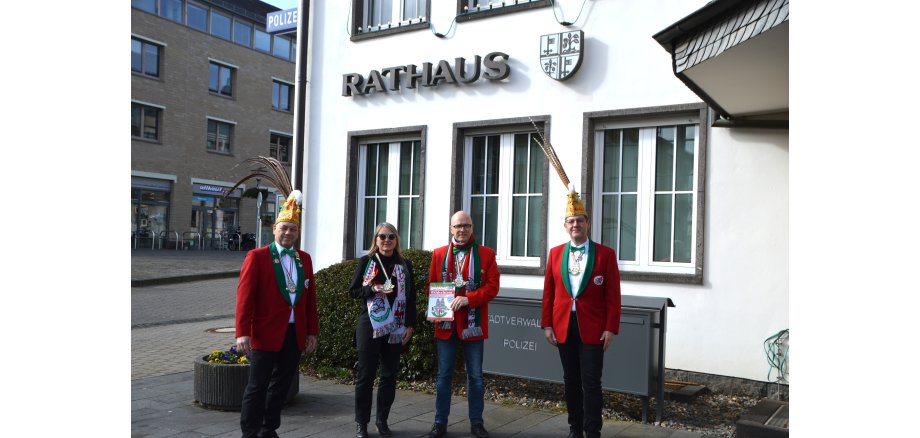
214, 217
149, 211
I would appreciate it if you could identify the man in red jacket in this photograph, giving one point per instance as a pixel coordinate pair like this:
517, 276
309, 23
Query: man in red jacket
581, 315
471, 267
276, 319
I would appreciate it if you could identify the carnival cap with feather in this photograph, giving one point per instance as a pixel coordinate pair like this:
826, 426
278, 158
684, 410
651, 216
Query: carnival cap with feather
272, 171
574, 206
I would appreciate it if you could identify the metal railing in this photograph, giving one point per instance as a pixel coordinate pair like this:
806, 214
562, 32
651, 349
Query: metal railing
136, 236
192, 237
164, 239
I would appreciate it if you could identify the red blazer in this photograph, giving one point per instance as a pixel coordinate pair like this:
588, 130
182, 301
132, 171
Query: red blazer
262, 312
598, 306
478, 298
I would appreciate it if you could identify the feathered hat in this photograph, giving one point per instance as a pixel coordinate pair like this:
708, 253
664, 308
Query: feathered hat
272, 171
574, 206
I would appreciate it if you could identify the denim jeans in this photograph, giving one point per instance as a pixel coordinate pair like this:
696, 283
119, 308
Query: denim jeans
475, 389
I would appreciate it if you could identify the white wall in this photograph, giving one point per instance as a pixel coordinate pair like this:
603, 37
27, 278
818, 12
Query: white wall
716, 328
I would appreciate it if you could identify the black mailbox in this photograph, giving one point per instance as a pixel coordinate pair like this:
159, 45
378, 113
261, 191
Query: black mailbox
634, 364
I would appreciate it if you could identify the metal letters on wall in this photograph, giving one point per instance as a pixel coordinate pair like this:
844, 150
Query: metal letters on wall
560, 54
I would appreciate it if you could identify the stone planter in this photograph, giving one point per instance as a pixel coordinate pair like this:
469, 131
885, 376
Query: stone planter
221, 386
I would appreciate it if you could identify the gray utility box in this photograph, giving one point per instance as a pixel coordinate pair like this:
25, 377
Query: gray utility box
634, 363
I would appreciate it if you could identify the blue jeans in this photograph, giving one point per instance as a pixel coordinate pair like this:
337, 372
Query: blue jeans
475, 389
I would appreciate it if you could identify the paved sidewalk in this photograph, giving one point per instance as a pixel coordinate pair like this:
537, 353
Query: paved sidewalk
173, 322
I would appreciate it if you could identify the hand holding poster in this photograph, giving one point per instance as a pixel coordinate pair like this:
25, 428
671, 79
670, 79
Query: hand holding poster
440, 295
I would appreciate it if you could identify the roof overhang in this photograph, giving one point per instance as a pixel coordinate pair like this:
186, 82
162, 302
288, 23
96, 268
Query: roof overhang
734, 54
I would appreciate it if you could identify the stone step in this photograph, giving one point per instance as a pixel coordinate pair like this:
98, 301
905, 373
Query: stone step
768, 419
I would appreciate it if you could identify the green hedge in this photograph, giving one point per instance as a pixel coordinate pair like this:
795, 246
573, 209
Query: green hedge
338, 312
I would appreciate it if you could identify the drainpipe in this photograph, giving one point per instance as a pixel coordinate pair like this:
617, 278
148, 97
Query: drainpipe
301, 155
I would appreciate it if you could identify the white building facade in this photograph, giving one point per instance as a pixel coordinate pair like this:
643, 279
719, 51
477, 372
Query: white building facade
401, 130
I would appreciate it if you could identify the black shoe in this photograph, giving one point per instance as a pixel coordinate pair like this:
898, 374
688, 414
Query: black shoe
383, 429
362, 430
437, 430
479, 431
576, 433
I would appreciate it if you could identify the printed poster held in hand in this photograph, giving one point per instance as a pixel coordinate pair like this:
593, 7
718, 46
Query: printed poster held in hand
440, 295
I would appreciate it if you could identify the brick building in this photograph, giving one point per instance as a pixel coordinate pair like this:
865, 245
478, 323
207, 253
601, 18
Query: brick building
209, 88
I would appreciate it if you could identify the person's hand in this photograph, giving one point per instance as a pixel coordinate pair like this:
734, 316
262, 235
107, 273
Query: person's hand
244, 345
407, 335
311, 344
459, 302
607, 337
550, 335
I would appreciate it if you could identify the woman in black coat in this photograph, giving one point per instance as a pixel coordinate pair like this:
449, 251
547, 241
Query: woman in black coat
385, 286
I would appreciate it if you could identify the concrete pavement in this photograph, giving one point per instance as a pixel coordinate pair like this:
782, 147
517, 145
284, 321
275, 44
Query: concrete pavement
180, 314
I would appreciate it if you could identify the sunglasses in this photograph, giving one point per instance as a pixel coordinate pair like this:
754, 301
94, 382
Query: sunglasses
387, 236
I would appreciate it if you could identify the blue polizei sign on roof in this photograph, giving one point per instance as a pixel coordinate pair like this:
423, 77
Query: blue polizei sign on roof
281, 21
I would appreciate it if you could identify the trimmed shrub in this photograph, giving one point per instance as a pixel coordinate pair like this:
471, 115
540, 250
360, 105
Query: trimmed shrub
336, 355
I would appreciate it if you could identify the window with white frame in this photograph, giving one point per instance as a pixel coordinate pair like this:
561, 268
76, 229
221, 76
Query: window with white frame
389, 178
646, 201
280, 147
504, 194
220, 133
376, 15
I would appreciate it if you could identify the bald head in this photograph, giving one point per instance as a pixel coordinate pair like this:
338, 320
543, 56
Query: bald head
461, 227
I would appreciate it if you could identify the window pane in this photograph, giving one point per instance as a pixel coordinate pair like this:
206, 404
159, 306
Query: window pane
370, 206
536, 169
172, 9
370, 181
276, 102
491, 177
136, 60
518, 228
226, 81
282, 47
285, 91
628, 229
405, 169
150, 123
242, 33
609, 220
135, 120
686, 141
212, 135
151, 60
417, 168
381, 214
491, 222
197, 17
147, 5
213, 76
404, 217
484, 211
630, 167
683, 223
380, 12
611, 177
383, 169
263, 41
478, 166
662, 229
416, 231
664, 159
220, 25
534, 223
521, 152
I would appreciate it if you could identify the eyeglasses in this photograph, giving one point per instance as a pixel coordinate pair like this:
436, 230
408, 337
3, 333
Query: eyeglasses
387, 236
462, 226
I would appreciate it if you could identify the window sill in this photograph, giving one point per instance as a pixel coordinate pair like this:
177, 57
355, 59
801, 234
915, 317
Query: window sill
487, 13
146, 140
387, 32
288, 112
222, 96
660, 277
226, 154
146, 76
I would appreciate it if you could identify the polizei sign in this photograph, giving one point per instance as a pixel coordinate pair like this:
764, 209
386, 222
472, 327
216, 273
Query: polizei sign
493, 67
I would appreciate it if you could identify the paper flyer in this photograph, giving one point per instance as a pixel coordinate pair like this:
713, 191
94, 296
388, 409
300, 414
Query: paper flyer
440, 295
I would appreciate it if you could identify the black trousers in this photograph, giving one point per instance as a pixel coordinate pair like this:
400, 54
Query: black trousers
582, 365
376, 353
270, 376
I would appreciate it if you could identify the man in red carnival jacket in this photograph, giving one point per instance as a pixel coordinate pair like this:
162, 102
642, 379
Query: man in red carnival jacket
471, 267
581, 315
276, 320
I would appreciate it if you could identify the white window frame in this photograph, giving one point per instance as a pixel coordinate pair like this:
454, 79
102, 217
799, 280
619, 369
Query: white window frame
646, 192
505, 194
392, 197
397, 12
